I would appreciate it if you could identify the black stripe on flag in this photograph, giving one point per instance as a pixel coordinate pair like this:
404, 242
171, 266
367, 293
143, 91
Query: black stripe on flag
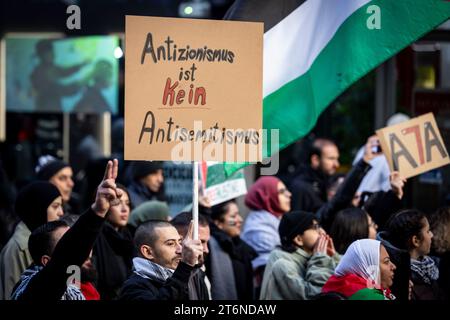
268, 11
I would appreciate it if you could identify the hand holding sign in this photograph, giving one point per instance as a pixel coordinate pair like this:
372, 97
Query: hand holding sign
192, 249
397, 183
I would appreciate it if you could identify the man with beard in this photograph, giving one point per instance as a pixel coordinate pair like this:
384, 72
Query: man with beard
199, 285
309, 186
164, 264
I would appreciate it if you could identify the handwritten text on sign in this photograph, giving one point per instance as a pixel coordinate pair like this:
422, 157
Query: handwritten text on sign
414, 147
193, 89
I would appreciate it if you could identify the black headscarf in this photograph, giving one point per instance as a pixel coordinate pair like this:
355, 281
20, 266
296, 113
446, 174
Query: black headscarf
32, 203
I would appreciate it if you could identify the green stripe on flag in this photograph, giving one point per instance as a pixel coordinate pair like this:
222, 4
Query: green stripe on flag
216, 175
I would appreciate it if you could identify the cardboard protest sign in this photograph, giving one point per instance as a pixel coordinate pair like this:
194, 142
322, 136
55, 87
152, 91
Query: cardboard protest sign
414, 146
193, 89
219, 188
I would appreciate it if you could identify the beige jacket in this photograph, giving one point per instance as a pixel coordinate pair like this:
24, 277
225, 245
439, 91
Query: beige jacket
14, 259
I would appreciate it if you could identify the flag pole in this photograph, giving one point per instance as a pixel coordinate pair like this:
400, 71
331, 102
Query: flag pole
195, 198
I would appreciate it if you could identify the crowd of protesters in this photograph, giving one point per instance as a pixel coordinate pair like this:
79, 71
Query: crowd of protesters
316, 237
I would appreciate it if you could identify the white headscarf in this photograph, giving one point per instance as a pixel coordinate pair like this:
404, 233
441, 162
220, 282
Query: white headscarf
363, 259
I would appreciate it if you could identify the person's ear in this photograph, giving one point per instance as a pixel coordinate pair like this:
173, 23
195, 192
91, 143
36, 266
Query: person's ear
315, 161
298, 240
219, 224
415, 241
45, 259
147, 252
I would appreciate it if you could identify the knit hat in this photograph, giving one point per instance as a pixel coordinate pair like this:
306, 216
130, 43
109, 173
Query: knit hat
149, 210
263, 195
141, 169
293, 224
48, 166
32, 203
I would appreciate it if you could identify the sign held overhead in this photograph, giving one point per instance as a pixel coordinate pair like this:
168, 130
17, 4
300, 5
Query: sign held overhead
414, 147
193, 90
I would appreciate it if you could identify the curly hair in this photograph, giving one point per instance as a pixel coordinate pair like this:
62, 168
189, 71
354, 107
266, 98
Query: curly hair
403, 226
440, 226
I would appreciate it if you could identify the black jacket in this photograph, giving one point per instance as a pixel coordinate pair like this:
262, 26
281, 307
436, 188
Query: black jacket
344, 195
309, 190
72, 249
197, 286
444, 273
381, 206
113, 255
425, 291
175, 288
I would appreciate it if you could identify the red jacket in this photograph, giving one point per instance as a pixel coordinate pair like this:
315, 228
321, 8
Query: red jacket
89, 291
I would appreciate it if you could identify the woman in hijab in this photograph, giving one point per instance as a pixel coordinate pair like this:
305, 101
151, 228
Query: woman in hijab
36, 204
114, 249
365, 272
268, 199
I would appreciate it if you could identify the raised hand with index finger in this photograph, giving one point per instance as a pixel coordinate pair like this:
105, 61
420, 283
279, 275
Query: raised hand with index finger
107, 192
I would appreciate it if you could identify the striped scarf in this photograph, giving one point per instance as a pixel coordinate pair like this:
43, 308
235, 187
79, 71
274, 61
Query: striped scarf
72, 291
150, 270
426, 269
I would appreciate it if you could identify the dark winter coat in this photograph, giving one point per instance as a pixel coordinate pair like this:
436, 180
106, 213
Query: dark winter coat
175, 288
113, 255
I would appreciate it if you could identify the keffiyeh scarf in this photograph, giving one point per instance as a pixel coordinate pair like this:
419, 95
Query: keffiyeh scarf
72, 291
426, 269
150, 270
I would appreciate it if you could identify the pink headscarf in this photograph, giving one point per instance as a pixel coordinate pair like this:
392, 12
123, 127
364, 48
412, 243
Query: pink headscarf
263, 195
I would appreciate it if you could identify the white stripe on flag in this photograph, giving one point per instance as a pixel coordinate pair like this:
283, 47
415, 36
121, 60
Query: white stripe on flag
291, 46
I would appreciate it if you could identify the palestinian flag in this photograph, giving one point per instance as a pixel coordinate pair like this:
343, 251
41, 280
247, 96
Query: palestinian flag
314, 50
217, 186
